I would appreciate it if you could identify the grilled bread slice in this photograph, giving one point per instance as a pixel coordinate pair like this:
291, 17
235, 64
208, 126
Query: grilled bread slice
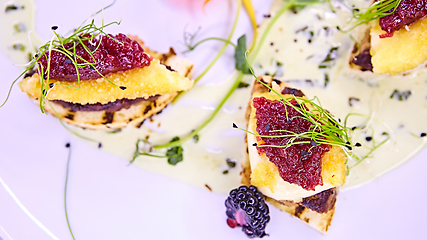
100, 105
316, 209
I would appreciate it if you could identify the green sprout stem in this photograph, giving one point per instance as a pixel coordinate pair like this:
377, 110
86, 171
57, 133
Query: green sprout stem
191, 48
138, 153
65, 192
57, 43
207, 121
219, 54
68, 129
369, 153
375, 11
238, 79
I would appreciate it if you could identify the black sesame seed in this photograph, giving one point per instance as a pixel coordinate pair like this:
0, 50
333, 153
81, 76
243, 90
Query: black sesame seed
234, 125
122, 87
368, 139
225, 172
313, 143
54, 27
230, 163
99, 145
423, 134
353, 128
67, 145
51, 85
255, 144
358, 145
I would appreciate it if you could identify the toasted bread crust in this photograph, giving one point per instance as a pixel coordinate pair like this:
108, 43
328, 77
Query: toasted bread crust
136, 113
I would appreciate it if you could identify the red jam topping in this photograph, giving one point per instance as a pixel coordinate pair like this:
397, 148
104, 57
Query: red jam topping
112, 54
408, 12
300, 163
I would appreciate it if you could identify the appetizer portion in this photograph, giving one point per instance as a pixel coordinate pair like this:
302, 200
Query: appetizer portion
297, 174
395, 43
124, 85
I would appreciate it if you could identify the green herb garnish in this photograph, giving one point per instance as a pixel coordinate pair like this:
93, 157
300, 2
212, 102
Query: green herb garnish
65, 189
401, 95
239, 78
375, 11
239, 55
196, 138
219, 54
329, 59
139, 153
243, 85
83, 33
174, 154
324, 129
11, 7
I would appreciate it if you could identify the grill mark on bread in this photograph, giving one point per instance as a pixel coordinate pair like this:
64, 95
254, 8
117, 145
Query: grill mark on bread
188, 73
361, 56
293, 91
108, 117
277, 81
169, 68
321, 202
299, 210
147, 109
70, 115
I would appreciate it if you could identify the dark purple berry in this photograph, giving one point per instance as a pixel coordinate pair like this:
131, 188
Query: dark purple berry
246, 208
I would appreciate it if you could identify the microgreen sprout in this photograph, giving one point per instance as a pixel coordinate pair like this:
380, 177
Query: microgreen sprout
220, 52
65, 189
138, 153
377, 10
68, 129
58, 43
239, 77
324, 128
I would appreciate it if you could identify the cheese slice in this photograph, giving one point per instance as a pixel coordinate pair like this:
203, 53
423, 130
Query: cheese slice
406, 50
145, 82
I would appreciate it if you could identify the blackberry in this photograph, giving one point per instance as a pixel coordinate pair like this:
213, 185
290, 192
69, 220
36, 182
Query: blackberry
246, 208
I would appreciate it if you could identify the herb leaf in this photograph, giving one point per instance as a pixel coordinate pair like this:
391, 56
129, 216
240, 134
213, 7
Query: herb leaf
239, 55
329, 59
174, 154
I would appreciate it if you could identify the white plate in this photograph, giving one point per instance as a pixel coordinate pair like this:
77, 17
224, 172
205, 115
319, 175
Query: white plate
107, 199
